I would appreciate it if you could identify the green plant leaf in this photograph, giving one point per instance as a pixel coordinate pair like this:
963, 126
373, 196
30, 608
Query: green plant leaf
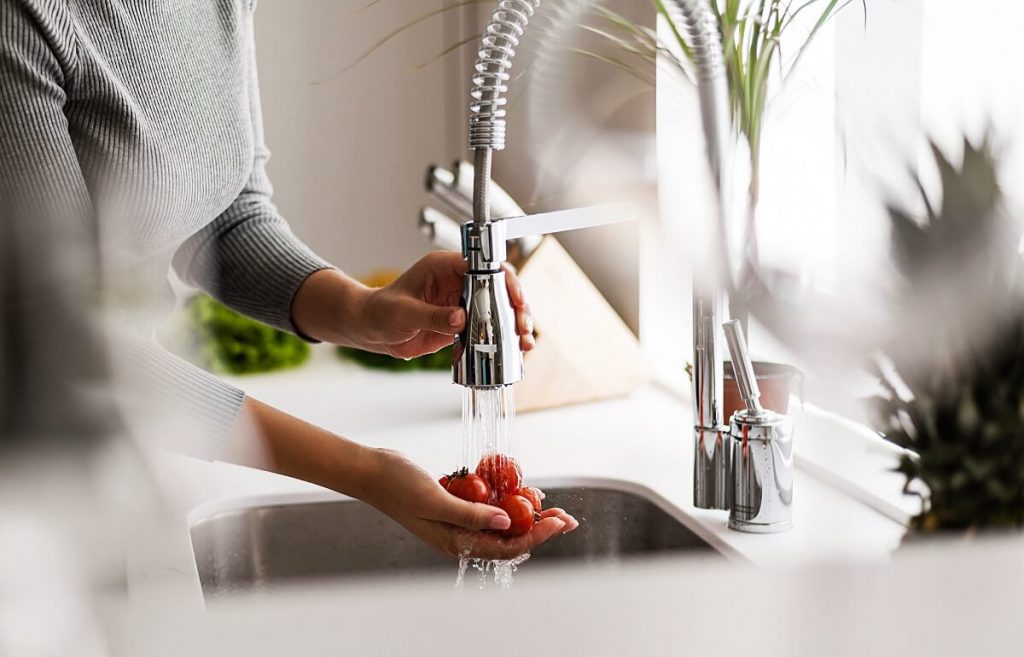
399, 31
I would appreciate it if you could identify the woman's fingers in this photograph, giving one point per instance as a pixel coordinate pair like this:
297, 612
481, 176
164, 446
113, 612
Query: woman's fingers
524, 327
515, 288
494, 546
570, 522
524, 320
524, 316
426, 342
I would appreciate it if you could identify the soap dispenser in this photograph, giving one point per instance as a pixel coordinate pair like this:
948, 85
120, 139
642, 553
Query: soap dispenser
762, 453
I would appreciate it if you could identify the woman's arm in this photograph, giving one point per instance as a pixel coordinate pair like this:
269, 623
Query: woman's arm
417, 314
248, 258
43, 193
386, 480
48, 224
49, 269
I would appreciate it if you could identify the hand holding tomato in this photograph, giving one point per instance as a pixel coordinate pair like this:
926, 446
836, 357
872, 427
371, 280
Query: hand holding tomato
410, 495
521, 513
498, 480
468, 486
502, 473
534, 495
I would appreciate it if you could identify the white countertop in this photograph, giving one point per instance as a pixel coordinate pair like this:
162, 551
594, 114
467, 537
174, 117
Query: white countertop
642, 441
832, 585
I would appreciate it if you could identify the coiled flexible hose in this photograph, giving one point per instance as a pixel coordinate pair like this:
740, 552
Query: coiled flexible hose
491, 75
695, 20
490, 79
490, 84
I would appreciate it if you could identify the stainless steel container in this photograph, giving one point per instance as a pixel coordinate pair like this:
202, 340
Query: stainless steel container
762, 453
762, 491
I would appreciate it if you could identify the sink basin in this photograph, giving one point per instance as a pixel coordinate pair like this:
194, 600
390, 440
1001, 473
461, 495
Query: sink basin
259, 548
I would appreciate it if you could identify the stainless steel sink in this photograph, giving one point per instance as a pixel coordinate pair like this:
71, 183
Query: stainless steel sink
254, 549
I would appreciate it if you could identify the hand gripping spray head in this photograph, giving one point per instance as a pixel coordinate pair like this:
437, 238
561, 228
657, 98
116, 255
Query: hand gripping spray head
487, 352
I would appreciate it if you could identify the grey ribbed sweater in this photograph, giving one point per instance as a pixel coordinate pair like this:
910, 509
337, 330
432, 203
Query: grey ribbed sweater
143, 117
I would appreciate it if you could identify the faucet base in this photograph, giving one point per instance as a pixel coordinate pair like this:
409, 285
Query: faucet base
712, 467
758, 528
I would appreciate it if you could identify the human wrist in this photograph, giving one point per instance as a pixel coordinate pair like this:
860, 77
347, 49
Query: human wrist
367, 469
330, 306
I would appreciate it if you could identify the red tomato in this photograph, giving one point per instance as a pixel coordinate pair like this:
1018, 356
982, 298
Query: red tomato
444, 481
502, 473
535, 495
469, 487
520, 512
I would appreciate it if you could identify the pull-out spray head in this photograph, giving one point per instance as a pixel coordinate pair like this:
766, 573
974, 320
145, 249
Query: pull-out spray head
487, 352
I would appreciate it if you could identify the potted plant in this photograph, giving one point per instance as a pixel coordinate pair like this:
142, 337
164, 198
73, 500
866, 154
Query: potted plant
954, 371
752, 32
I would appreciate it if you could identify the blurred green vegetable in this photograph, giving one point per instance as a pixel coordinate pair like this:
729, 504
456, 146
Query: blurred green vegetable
219, 340
440, 360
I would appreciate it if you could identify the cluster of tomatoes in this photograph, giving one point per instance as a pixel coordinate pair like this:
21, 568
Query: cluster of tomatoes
498, 481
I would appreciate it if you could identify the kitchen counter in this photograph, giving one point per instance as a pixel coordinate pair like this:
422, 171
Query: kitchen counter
642, 441
833, 585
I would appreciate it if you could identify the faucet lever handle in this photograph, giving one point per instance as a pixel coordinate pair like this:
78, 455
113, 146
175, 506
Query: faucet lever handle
743, 367
562, 220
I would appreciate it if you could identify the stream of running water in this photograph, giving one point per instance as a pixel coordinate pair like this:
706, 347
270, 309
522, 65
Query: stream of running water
488, 427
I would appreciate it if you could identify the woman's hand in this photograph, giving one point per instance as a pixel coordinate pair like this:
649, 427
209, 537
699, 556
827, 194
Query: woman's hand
412, 496
385, 479
417, 314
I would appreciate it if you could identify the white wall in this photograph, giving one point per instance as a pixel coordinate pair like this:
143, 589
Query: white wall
843, 140
920, 70
349, 155
878, 128
796, 222
972, 78
582, 132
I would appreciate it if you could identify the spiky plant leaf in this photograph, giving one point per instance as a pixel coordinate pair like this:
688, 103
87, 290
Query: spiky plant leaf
961, 356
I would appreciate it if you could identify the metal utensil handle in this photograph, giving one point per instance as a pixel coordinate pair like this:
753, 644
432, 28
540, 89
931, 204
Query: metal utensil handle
743, 368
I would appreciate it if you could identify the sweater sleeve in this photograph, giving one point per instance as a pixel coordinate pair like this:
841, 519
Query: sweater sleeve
47, 253
248, 258
41, 181
45, 208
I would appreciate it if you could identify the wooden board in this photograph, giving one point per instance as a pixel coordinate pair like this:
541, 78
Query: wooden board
585, 352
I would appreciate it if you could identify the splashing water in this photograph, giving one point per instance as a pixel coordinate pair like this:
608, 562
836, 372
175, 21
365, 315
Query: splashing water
488, 427
503, 569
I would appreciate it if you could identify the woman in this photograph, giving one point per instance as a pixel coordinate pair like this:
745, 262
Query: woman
140, 121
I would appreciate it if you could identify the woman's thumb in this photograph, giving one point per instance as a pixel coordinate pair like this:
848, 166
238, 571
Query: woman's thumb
424, 316
472, 515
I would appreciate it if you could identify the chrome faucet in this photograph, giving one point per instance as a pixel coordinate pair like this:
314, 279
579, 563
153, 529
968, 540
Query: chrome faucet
487, 353
712, 461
